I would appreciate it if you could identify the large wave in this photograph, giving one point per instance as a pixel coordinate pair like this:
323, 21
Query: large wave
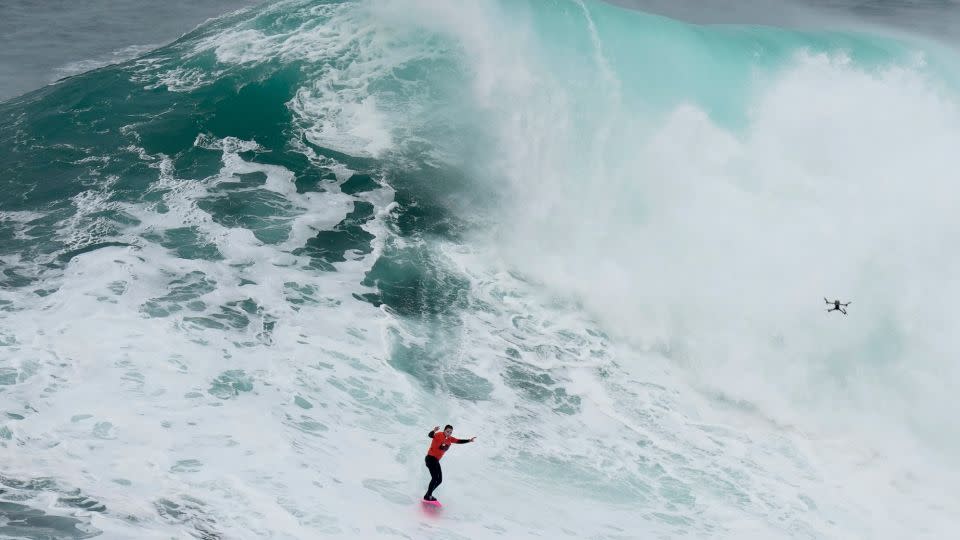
245, 273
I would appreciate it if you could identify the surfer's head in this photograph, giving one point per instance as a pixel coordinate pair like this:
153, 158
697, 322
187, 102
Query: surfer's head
448, 430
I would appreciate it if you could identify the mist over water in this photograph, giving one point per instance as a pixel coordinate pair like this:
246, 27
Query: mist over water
243, 275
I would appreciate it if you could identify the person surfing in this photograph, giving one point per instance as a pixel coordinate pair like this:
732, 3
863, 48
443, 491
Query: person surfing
440, 443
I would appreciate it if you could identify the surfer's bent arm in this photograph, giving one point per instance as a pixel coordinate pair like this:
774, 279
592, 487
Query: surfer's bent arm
431, 434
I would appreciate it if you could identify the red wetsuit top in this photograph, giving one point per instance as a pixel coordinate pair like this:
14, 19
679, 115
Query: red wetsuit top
441, 443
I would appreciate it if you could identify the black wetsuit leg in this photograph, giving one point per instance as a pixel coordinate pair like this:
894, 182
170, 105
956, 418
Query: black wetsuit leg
436, 475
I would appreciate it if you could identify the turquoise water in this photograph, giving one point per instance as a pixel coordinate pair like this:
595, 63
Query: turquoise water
243, 274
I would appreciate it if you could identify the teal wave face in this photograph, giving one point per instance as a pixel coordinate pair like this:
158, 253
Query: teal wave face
653, 63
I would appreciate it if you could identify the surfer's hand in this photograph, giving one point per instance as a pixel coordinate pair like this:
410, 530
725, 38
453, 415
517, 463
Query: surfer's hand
436, 428
472, 439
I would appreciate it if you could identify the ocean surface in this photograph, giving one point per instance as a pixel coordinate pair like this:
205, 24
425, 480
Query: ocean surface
245, 270
41, 42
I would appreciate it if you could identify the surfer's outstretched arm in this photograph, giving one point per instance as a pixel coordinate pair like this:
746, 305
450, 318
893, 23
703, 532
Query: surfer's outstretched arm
465, 441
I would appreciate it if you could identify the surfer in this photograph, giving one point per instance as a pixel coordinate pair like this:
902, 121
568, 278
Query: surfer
837, 306
441, 443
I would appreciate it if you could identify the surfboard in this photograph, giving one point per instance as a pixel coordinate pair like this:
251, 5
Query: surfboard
431, 503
